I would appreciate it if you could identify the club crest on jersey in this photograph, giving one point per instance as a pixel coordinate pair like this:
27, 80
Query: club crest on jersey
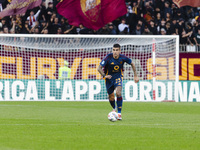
121, 62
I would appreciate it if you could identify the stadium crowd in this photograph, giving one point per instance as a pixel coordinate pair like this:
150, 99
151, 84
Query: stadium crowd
144, 17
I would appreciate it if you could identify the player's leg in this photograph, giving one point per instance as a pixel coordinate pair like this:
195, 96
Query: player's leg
110, 90
112, 100
119, 101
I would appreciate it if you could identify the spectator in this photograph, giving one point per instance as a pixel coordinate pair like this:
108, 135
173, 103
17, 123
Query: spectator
26, 28
180, 26
36, 30
70, 30
189, 30
184, 38
197, 36
123, 25
82, 30
143, 17
19, 24
190, 13
168, 17
174, 26
112, 29
54, 27
43, 13
174, 10
138, 30
160, 4
49, 11
168, 28
133, 17
45, 31
44, 25
59, 31
13, 24
35, 26
162, 31
104, 30
147, 31
141, 23
5, 30
148, 12
153, 28
51, 22
179, 15
125, 31
196, 25
158, 19
3, 22
148, 16
167, 9
162, 25
64, 24
33, 18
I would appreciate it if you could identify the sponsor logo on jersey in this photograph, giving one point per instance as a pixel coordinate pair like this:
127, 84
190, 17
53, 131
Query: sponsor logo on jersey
116, 67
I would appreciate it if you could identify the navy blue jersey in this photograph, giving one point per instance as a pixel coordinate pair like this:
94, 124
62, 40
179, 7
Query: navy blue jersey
114, 67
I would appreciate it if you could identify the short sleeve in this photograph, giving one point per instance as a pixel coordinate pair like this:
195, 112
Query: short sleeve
104, 61
127, 60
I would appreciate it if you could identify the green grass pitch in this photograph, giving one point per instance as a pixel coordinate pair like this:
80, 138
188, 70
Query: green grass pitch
84, 126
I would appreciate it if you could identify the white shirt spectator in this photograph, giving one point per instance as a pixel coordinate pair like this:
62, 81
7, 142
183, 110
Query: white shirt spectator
33, 18
122, 26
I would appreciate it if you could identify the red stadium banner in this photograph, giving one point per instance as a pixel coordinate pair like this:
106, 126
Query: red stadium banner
19, 7
92, 14
193, 3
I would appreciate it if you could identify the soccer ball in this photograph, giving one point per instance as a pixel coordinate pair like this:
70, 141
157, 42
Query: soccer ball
112, 116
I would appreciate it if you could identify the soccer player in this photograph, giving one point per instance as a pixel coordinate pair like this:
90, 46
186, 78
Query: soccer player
113, 74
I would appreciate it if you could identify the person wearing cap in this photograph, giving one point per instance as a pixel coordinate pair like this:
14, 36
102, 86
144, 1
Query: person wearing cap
65, 71
162, 31
111, 28
180, 26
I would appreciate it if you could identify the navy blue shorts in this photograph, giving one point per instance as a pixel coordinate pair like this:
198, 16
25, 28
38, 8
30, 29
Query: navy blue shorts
111, 84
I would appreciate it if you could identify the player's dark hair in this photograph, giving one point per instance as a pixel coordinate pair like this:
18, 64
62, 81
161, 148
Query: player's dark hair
116, 46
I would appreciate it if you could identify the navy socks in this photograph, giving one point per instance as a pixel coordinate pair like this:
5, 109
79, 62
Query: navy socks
119, 104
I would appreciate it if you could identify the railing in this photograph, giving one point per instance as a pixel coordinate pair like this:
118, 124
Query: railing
189, 48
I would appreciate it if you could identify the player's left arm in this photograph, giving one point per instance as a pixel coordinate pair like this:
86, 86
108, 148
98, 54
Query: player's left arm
136, 79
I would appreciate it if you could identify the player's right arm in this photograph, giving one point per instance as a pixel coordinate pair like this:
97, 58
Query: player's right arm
103, 63
100, 70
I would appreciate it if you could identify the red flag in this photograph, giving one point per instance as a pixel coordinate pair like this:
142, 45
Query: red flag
92, 14
193, 3
19, 7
